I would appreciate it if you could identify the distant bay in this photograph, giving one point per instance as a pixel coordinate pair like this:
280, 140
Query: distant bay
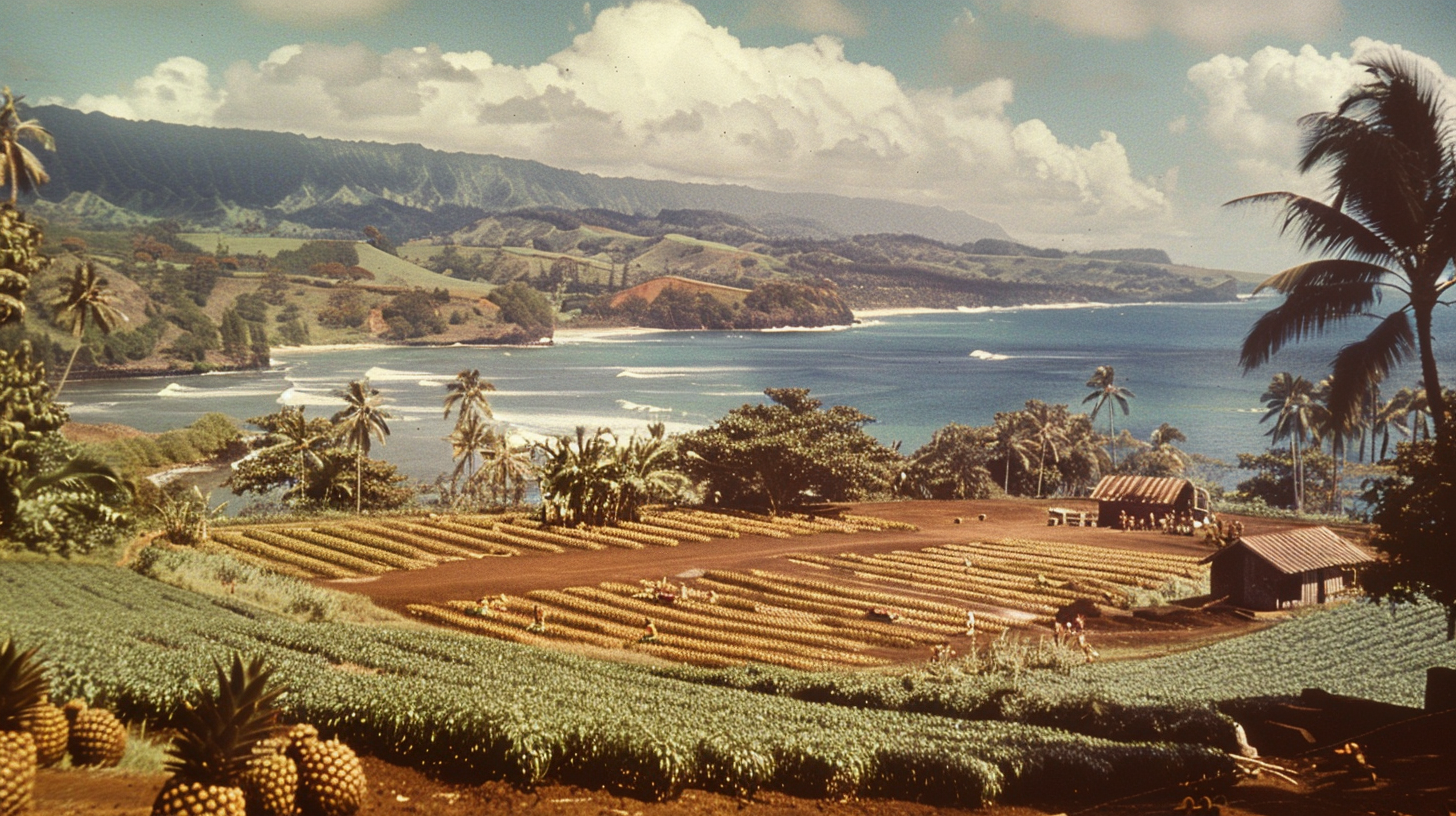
913, 372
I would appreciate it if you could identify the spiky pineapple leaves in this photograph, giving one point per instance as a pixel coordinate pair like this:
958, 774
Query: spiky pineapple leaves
216, 735
23, 684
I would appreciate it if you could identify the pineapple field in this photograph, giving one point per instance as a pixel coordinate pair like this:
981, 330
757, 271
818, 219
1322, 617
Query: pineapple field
361, 548
850, 611
444, 701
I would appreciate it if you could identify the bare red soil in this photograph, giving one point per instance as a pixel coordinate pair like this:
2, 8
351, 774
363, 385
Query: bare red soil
1407, 783
936, 519
939, 522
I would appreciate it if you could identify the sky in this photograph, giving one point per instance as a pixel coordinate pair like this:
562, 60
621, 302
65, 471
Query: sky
1078, 124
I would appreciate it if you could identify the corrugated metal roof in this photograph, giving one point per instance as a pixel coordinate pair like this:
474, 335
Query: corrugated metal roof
1146, 489
1304, 549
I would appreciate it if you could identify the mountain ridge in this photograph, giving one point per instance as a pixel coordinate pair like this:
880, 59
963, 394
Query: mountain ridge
227, 177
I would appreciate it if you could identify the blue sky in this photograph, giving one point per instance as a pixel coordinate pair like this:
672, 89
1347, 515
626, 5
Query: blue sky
1073, 123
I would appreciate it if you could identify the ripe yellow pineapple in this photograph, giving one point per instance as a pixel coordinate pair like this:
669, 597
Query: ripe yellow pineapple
23, 686
47, 723
17, 771
330, 778
215, 740
97, 737
270, 784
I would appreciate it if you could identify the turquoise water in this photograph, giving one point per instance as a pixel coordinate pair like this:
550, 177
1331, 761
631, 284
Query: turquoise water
914, 373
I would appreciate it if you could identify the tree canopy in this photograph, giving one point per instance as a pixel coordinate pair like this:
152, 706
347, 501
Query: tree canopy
788, 453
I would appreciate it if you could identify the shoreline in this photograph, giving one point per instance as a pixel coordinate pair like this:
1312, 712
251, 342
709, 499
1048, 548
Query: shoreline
607, 334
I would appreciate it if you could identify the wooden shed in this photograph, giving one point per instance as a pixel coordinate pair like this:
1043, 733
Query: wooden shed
1280, 570
1144, 496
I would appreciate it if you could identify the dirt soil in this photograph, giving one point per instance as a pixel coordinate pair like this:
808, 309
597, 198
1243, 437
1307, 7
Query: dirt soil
1119, 636
1416, 785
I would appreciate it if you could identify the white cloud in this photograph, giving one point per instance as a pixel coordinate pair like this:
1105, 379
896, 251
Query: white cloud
1211, 24
1252, 106
653, 91
178, 90
813, 16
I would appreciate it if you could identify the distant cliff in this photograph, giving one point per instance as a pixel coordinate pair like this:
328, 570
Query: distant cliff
114, 172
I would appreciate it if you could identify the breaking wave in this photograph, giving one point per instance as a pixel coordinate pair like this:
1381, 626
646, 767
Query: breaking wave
988, 355
627, 405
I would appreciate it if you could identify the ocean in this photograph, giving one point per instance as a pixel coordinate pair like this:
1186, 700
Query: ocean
913, 372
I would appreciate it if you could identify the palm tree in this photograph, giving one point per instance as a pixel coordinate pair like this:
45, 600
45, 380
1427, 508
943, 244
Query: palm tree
84, 299
1105, 390
1047, 427
1389, 414
1013, 439
17, 164
1291, 404
471, 439
507, 469
362, 419
1390, 229
468, 390
300, 437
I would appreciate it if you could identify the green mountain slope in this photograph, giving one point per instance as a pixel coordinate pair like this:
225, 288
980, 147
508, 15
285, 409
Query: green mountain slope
215, 177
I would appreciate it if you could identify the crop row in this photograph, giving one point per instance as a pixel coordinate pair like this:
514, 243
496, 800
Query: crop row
1027, 594
448, 703
271, 553
378, 545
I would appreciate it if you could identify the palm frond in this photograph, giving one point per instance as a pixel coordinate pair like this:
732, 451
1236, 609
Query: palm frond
1323, 228
1363, 364
1305, 312
1330, 272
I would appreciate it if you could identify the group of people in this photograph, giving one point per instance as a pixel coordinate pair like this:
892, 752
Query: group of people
1180, 523
1073, 632
1220, 534
489, 606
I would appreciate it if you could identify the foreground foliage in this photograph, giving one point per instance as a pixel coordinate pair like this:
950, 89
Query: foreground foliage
449, 702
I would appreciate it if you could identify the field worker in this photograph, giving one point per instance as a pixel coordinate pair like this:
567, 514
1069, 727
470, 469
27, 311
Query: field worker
1058, 637
970, 623
539, 624
649, 631
484, 610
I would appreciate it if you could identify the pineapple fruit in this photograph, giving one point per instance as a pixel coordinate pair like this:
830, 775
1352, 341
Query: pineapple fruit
23, 688
215, 744
97, 737
47, 723
331, 779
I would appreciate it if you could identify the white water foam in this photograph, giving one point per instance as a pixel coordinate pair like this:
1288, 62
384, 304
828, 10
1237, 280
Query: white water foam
785, 329
649, 375
647, 409
662, 372
377, 374
189, 392
988, 355
553, 425
298, 396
